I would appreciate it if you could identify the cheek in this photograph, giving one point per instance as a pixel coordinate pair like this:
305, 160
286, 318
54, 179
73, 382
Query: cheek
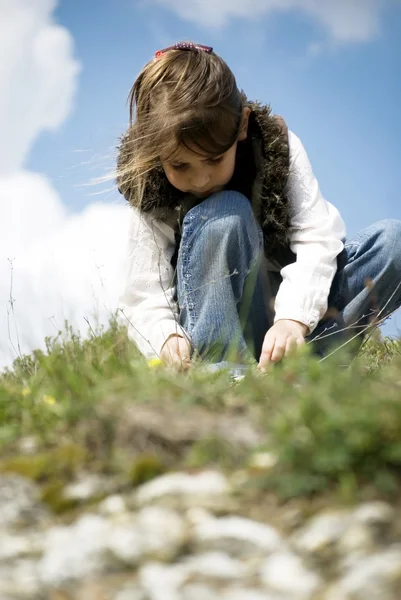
176, 179
229, 170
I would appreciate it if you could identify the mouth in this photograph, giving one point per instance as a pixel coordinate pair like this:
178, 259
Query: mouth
203, 194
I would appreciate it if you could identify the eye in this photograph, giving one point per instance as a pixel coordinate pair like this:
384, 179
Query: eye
211, 161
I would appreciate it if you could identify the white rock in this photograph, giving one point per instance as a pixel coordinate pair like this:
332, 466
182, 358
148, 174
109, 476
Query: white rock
249, 594
198, 591
112, 505
236, 536
87, 487
125, 543
74, 552
196, 515
162, 582
215, 565
20, 579
321, 534
376, 516
155, 533
376, 577
163, 532
19, 502
356, 541
202, 489
130, 592
264, 461
14, 546
285, 573
28, 445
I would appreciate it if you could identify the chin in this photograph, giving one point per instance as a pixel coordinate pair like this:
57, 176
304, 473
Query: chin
207, 194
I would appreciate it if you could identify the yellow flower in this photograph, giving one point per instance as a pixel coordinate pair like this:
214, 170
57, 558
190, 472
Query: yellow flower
26, 391
49, 400
154, 362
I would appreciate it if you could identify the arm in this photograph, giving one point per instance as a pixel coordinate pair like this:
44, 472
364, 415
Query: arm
316, 237
148, 308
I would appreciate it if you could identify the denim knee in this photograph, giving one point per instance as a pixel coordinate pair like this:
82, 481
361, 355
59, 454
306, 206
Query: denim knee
228, 216
221, 204
388, 233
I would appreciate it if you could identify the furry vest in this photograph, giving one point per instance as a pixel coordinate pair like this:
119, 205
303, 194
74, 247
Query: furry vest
261, 172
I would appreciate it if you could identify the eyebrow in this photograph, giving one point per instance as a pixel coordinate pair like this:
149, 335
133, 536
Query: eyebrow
178, 162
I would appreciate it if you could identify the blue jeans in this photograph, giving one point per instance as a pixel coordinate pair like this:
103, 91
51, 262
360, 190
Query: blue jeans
225, 297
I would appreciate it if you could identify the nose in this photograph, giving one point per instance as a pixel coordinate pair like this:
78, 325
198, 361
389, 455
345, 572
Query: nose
200, 182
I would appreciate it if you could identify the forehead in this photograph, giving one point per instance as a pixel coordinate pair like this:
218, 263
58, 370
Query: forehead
184, 154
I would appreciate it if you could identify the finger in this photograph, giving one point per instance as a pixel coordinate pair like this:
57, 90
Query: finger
279, 350
185, 362
180, 359
265, 356
291, 346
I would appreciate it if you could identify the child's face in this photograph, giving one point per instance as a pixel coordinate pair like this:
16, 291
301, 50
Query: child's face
202, 175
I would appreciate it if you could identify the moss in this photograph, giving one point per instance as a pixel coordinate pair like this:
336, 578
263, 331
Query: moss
145, 468
53, 495
215, 451
58, 463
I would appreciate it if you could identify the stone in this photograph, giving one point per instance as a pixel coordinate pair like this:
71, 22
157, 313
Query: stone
199, 591
155, 533
376, 577
20, 581
263, 461
13, 546
215, 565
356, 541
130, 592
320, 536
112, 505
74, 552
208, 489
249, 594
125, 543
284, 573
377, 516
19, 503
88, 487
196, 515
163, 532
161, 582
236, 536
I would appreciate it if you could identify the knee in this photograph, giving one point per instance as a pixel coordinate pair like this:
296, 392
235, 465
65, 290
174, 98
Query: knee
228, 209
389, 237
225, 218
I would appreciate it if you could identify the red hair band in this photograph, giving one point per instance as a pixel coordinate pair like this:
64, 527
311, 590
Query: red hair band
185, 46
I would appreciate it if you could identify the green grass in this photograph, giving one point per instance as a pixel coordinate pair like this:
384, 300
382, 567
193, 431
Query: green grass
333, 429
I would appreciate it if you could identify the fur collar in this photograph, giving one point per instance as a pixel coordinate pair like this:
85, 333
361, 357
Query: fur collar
262, 166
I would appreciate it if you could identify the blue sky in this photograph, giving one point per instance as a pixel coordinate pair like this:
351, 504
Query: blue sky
331, 69
343, 103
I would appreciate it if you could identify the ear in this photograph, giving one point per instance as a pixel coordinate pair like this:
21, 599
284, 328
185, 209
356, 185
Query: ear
244, 125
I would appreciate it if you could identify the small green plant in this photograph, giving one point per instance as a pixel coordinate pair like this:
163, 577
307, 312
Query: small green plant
331, 427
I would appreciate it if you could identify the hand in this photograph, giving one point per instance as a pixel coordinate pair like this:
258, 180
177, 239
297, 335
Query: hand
281, 339
176, 352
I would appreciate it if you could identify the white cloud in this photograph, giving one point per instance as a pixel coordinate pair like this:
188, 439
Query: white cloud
344, 20
61, 266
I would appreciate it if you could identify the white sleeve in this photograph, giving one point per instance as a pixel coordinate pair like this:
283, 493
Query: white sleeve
316, 237
147, 306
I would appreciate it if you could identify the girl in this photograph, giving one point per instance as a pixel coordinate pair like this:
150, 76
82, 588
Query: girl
234, 253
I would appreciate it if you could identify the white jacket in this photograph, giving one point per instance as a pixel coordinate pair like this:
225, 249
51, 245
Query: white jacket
316, 237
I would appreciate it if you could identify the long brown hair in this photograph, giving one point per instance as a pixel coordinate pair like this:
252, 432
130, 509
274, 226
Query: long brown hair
184, 97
